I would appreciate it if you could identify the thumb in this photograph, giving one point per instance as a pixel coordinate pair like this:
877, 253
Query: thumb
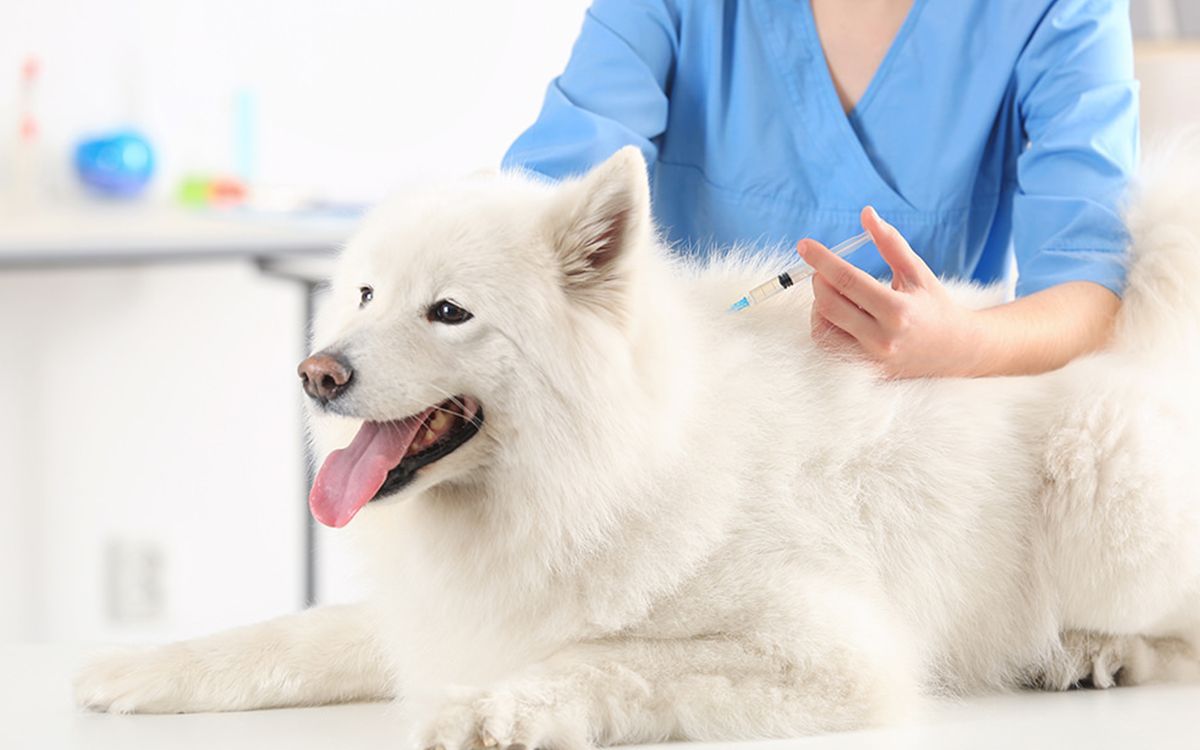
907, 267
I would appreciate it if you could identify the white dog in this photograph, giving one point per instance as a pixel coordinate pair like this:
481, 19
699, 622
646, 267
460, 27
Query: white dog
600, 509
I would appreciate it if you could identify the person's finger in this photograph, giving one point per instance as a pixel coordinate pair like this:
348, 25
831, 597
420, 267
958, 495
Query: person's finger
907, 267
828, 336
856, 285
834, 307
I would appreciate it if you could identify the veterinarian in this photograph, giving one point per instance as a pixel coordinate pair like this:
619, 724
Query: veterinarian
981, 130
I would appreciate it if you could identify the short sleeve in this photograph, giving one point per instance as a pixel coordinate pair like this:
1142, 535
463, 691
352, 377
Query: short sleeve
613, 92
1079, 108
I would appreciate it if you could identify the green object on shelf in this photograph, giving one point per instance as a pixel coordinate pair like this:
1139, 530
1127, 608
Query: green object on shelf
193, 191
198, 191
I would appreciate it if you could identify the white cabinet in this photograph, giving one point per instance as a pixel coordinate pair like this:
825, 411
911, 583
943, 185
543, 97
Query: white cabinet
150, 463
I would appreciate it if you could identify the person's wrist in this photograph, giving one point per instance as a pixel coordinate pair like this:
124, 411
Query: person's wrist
975, 342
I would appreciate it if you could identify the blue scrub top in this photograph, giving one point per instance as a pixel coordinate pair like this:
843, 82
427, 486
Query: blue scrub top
990, 127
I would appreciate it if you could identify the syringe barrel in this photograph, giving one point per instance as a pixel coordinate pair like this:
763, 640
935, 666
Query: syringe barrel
765, 290
802, 270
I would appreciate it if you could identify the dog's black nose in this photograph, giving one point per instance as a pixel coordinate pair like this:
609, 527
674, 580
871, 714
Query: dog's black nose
325, 376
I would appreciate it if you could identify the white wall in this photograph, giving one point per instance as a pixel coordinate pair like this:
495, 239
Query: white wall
353, 97
1170, 96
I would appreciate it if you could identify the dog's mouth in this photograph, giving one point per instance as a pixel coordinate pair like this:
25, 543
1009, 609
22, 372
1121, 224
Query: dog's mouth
385, 456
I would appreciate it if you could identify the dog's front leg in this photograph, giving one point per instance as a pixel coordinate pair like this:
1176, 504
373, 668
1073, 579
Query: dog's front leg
703, 688
320, 656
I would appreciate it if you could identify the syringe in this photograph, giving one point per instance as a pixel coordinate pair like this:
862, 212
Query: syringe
795, 275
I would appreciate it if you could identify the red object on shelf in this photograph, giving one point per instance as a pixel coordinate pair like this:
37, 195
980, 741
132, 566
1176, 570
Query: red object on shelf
30, 69
226, 191
27, 127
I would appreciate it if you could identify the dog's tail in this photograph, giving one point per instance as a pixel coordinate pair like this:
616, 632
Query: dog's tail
1160, 313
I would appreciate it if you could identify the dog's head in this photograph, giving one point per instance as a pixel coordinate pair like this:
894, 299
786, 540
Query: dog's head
454, 316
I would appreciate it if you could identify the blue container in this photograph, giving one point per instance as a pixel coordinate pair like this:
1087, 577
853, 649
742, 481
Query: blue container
118, 164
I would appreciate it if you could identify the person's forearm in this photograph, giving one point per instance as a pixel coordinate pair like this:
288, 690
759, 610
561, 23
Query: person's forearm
1043, 331
913, 327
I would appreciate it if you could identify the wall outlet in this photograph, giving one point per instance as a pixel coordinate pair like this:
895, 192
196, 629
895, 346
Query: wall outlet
134, 591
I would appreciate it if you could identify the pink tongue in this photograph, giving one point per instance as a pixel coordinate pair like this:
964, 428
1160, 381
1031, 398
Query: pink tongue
350, 477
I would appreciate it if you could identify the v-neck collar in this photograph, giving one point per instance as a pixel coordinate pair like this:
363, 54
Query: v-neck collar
825, 131
881, 70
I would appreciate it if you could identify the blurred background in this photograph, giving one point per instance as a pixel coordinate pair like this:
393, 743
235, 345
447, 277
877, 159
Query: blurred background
172, 175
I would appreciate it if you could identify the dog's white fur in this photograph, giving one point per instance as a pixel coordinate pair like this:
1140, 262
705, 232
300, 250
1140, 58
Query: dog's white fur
681, 523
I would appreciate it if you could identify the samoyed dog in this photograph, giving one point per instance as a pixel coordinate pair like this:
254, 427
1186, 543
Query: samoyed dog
599, 509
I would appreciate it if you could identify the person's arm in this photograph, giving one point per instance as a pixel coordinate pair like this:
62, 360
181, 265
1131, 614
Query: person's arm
1045, 330
1078, 104
613, 92
913, 328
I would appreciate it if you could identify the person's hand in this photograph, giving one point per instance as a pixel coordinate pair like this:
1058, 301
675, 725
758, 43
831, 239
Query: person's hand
911, 329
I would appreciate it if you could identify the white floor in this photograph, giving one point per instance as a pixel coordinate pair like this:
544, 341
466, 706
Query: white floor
36, 712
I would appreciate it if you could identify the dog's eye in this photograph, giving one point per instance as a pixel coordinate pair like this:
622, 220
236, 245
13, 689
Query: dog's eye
446, 311
365, 295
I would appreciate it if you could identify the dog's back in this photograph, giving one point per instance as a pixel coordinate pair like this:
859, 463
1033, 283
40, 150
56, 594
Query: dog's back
989, 515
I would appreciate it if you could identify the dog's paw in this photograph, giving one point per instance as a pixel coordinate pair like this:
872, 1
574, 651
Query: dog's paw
151, 680
1102, 661
519, 717
1094, 660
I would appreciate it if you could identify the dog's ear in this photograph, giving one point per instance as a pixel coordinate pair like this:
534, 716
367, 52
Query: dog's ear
599, 222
